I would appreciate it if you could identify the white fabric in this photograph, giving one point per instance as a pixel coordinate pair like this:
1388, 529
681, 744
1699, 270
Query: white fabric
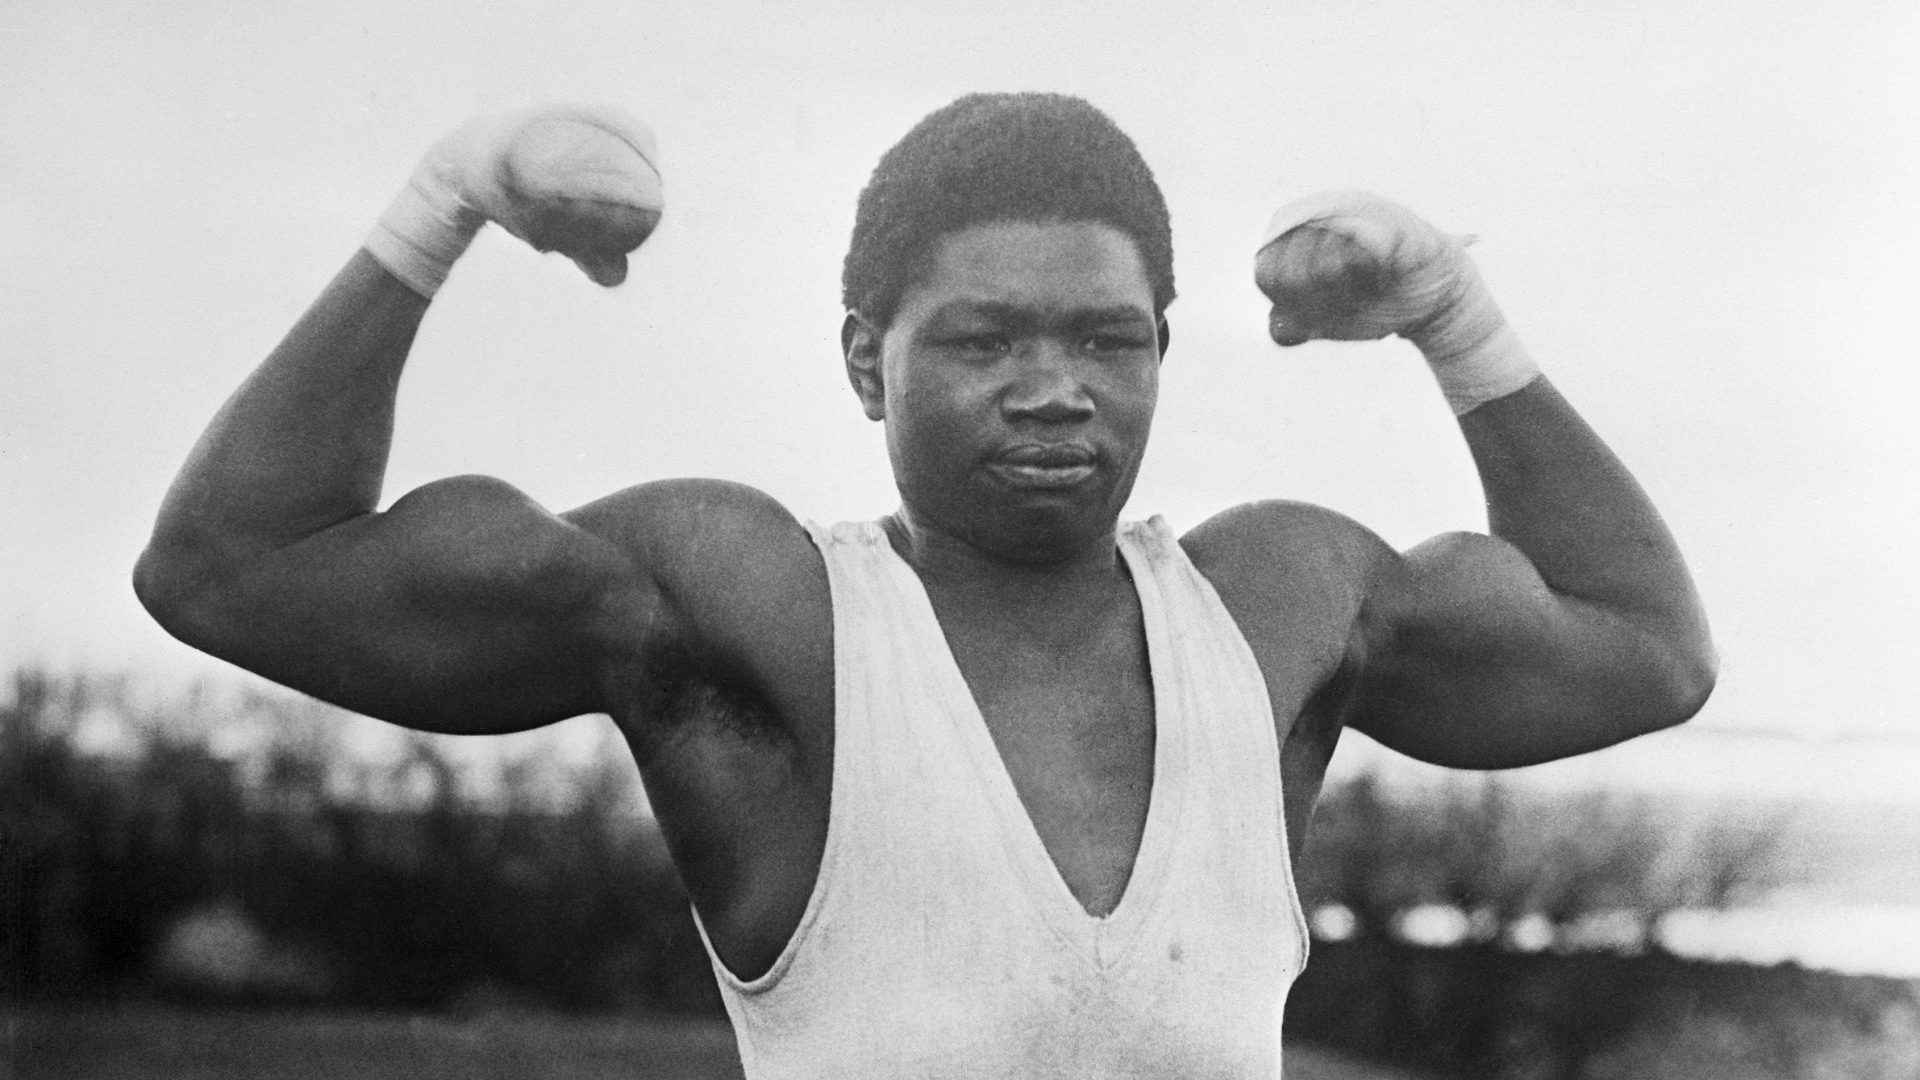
468, 179
1440, 303
940, 941
422, 233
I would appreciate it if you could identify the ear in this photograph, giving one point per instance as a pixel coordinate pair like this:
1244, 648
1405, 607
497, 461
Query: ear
1166, 336
860, 341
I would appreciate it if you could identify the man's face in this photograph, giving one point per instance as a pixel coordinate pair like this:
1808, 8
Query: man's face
1018, 381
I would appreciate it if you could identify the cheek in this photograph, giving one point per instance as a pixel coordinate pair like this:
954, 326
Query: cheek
929, 422
928, 397
1135, 396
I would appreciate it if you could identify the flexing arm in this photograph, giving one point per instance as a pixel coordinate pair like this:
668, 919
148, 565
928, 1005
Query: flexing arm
1573, 626
464, 607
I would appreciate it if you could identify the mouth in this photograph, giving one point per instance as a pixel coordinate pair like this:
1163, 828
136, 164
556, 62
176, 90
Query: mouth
1045, 467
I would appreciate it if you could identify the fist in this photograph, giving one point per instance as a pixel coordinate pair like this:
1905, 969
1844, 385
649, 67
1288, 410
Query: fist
576, 179
1351, 266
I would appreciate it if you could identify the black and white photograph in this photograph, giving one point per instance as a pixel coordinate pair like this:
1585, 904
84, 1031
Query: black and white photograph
912, 540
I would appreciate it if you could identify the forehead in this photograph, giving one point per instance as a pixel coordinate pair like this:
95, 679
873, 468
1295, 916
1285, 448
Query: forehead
1071, 265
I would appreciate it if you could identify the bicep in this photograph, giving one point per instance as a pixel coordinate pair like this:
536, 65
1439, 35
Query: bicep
1470, 660
464, 608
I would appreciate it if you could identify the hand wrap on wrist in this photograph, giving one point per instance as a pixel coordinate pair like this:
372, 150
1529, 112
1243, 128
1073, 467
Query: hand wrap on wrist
424, 230
518, 169
1474, 354
1436, 298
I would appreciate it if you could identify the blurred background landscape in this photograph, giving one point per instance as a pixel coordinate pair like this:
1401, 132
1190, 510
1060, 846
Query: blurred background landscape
1701, 217
374, 903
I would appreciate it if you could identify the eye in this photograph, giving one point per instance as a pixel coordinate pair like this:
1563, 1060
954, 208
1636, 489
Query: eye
977, 344
1109, 343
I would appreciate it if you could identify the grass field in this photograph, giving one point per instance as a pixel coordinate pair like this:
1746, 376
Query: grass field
156, 1044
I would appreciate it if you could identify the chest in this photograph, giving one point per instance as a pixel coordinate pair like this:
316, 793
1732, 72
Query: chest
1071, 718
1075, 718
1073, 726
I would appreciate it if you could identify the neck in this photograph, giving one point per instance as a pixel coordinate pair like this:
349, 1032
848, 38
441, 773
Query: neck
952, 562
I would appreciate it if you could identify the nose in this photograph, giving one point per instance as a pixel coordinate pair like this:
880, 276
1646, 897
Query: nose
1049, 387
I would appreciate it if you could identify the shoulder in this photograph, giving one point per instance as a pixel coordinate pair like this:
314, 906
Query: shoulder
701, 541
693, 520
734, 577
1256, 548
1297, 578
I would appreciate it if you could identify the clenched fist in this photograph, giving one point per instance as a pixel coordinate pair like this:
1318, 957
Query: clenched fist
1352, 266
577, 179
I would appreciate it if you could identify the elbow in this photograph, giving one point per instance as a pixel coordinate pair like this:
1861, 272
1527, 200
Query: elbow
1702, 674
173, 581
1663, 681
156, 581
1691, 672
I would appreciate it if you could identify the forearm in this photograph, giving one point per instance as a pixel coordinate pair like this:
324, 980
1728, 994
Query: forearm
1577, 625
303, 444
1562, 498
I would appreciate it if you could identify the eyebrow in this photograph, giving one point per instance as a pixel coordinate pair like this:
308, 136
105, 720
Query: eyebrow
1027, 317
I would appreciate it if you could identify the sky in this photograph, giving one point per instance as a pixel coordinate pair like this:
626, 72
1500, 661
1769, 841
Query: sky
1701, 218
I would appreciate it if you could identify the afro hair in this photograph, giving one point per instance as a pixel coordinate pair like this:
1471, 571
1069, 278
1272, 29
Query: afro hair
1000, 157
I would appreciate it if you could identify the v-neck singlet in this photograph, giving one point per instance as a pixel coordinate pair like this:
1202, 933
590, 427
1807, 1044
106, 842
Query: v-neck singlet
941, 941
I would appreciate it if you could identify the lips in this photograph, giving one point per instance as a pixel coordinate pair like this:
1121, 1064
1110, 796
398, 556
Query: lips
1045, 466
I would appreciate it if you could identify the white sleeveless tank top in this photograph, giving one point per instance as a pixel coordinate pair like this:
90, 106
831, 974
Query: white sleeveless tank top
940, 940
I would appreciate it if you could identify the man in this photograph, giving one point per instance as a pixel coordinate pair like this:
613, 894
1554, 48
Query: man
995, 785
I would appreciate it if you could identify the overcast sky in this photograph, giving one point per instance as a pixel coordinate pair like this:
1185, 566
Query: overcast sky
1701, 216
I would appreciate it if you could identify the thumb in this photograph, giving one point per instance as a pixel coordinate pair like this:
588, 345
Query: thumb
605, 268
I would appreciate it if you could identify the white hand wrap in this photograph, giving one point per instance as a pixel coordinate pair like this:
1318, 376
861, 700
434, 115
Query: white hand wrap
423, 231
1436, 300
479, 174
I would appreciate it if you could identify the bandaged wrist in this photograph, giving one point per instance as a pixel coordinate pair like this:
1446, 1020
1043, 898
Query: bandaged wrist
1475, 356
1498, 367
1436, 299
423, 231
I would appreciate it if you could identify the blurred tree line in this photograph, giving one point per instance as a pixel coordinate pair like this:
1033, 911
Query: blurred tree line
1479, 860
1477, 928
1508, 933
397, 887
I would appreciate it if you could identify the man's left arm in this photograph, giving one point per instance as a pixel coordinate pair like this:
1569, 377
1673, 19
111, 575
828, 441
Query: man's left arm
1575, 624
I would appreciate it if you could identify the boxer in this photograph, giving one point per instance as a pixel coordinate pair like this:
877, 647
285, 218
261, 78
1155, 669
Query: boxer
997, 783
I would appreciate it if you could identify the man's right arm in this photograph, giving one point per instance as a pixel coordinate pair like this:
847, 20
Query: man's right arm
465, 606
